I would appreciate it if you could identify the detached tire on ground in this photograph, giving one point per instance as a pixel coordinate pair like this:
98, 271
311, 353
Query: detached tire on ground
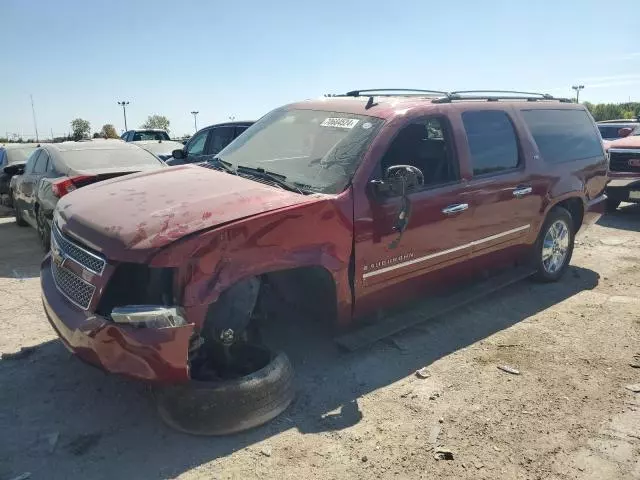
223, 407
554, 247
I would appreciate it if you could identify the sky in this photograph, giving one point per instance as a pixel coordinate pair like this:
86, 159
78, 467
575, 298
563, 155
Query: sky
242, 59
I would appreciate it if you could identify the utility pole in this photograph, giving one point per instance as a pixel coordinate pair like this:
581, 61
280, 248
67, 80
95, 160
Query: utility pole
577, 88
195, 121
35, 125
124, 112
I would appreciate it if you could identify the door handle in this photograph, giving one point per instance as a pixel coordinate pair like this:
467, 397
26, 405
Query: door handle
522, 191
456, 208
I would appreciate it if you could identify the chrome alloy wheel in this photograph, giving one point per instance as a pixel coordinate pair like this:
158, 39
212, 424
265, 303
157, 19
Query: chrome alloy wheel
555, 246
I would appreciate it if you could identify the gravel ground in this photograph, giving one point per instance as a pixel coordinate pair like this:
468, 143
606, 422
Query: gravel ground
566, 415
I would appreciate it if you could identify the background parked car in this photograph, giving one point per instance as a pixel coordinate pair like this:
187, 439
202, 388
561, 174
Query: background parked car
615, 129
154, 140
208, 141
12, 160
145, 134
55, 169
624, 170
163, 149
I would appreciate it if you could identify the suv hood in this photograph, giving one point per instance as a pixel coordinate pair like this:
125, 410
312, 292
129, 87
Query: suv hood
127, 215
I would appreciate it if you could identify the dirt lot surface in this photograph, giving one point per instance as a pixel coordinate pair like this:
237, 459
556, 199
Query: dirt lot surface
566, 415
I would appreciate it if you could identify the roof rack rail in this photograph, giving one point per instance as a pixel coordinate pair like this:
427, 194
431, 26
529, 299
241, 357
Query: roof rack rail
389, 92
496, 95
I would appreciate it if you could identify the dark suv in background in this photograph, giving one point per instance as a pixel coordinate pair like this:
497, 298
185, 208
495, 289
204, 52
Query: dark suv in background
208, 141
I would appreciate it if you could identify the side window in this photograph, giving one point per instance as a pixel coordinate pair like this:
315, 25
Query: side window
31, 161
239, 131
220, 138
196, 144
492, 141
40, 166
563, 135
427, 145
51, 170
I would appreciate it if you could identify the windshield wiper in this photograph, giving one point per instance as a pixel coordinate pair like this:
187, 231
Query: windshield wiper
225, 166
276, 178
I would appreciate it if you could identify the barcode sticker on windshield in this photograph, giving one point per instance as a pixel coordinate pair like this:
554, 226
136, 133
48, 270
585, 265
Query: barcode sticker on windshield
340, 122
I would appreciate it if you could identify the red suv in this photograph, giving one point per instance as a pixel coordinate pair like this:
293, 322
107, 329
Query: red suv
336, 208
624, 155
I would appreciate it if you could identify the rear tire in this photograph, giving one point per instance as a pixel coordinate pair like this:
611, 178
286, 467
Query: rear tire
554, 247
223, 407
44, 232
612, 204
19, 220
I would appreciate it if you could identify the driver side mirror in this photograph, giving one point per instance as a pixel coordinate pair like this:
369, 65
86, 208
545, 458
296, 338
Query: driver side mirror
179, 154
397, 181
14, 169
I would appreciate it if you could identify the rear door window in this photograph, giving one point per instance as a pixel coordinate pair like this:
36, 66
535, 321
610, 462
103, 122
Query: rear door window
219, 138
492, 140
239, 130
563, 135
41, 165
32, 162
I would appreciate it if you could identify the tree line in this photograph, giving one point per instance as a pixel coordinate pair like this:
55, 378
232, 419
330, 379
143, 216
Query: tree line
82, 128
613, 111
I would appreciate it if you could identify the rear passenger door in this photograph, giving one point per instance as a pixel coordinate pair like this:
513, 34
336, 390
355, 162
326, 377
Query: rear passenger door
506, 199
31, 187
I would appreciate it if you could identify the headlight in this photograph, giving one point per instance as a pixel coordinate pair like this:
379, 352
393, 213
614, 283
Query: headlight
150, 316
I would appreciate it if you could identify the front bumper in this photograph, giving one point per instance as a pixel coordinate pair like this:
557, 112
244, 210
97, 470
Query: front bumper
624, 187
156, 355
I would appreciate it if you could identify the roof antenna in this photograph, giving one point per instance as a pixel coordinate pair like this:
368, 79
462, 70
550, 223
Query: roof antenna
370, 103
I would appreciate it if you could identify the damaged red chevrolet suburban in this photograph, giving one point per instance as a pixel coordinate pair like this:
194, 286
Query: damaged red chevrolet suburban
348, 204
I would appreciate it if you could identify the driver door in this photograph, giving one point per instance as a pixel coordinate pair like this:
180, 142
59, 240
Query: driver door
439, 229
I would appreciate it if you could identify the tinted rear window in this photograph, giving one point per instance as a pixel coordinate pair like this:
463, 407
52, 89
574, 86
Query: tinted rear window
563, 135
93, 159
492, 141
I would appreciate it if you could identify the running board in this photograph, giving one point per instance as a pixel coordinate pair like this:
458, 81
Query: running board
429, 308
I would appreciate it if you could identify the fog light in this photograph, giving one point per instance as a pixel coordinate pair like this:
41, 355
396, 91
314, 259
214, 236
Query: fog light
150, 316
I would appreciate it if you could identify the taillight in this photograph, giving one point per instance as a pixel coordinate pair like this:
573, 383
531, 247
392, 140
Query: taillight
66, 185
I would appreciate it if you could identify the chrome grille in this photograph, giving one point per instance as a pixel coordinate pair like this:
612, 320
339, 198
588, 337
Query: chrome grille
73, 287
619, 160
90, 261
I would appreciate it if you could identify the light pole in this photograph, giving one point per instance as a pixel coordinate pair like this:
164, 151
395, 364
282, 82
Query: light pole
124, 112
232, 118
195, 119
577, 88
35, 124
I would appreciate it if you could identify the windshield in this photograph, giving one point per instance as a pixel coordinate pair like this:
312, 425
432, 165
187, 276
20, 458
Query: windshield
150, 135
317, 150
